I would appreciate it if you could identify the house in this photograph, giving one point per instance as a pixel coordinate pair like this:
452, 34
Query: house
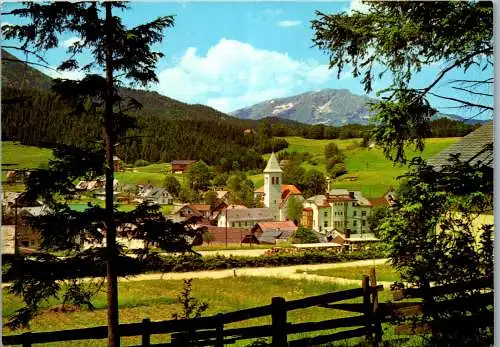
244, 218
16, 219
17, 176
285, 228
340, 210
181, 166
274, 194
274, 232
203, 210
8, 239
388, 200
476, 147
117, 164
218, 235
158, 196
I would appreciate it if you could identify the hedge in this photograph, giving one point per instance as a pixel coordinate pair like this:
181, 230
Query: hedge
57, 268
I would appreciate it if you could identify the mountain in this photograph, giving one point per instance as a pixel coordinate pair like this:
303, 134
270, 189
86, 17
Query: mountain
326, 106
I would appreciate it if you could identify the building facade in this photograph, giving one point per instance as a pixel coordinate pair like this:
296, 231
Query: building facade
341, 210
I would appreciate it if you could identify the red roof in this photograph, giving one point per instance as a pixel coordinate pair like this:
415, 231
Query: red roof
288, 188
379, 202
234, 235
200, 207
307, 209
283, 225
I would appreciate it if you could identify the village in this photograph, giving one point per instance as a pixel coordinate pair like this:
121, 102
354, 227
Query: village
338, 218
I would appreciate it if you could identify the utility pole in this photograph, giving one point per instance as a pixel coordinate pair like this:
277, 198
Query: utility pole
226, 224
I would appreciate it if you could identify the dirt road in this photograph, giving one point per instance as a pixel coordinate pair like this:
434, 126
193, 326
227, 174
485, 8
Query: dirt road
279, 271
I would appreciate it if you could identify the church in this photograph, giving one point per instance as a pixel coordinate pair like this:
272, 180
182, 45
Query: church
274, 194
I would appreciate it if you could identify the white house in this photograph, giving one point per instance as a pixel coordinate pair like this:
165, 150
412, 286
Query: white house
340, 210
244, 218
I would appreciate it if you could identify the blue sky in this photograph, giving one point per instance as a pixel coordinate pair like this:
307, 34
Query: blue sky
230, 55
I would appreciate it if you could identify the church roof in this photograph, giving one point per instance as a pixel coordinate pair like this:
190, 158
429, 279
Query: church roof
272, 164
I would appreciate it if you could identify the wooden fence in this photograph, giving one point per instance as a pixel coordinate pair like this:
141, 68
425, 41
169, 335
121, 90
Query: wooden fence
479, 297
210, 331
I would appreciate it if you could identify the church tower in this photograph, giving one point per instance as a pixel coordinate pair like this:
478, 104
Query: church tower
272, 186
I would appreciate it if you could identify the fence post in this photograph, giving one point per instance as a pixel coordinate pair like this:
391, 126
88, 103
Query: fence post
367, 305
27, 339
377, 325
219, 331
145, 332
278, 310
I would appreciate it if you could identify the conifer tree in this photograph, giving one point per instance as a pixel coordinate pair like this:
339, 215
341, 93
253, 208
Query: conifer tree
123, 55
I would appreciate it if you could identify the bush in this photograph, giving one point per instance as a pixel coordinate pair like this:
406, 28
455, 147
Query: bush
193, 262
140, 162
303, 235
337, 170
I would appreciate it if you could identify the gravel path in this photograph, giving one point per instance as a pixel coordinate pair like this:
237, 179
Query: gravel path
289, 272
279, 271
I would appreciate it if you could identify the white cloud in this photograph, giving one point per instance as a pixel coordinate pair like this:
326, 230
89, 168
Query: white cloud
288, 23
69, 75
272, 12
69, 42
234, 74
357, 5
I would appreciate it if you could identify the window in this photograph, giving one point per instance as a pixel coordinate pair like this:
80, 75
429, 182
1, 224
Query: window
272, 180
325, 214
363, 213
320, 229
274, 201
354, 213
363, 222
234, 224
277, 180
325, 223
353, 204
354, 223
239, 224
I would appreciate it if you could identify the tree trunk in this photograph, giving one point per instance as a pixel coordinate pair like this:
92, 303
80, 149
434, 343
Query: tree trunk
112, 285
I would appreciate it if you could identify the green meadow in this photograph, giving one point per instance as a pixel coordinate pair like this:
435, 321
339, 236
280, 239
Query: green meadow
368, 170
156, 299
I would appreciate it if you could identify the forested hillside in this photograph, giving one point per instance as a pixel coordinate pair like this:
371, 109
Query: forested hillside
167, 129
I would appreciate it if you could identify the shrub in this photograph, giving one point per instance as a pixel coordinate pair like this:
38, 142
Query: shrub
141, 162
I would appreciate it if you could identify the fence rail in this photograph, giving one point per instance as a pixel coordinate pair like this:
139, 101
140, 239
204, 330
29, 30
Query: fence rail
209, 331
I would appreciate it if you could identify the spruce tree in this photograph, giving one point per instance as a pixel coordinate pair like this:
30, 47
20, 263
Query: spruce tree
123, 55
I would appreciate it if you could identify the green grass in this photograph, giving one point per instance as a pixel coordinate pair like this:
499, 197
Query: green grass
383, 272
17, 156
156, 299
373, 172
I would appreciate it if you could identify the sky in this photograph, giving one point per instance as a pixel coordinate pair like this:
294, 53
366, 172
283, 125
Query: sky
230, 55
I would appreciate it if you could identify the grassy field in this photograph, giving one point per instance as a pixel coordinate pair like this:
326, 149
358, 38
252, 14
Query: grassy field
16, 156
372, 172
383, 272
157, 300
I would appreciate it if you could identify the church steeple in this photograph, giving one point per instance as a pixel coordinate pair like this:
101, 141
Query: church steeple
272, 185
272, 164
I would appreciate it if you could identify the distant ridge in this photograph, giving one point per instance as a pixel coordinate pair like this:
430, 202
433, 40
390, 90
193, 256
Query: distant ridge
326, 106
